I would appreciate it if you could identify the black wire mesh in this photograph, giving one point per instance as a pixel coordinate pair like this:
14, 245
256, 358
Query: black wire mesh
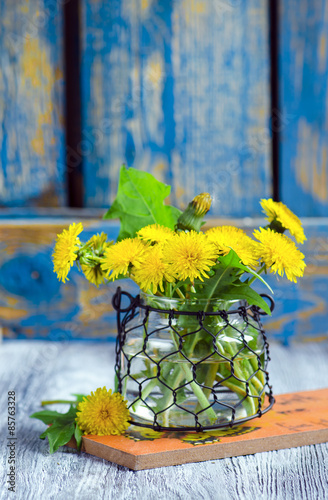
241, 384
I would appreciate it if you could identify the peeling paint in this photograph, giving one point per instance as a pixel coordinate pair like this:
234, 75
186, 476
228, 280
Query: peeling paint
31, 113
189, 97
304, 90
311, 162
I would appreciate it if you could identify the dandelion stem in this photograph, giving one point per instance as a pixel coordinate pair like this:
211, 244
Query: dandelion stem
180, 293
59, 401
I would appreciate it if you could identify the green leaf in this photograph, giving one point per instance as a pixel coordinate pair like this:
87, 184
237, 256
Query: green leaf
49, 417
232, 260
139, 202
78, 437
79, 397
244, 292
61, 426
43, 435
46, 416
211, 287
59, 434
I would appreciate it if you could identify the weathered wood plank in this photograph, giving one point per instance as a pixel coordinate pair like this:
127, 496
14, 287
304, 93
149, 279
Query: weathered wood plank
303, 60
43, 370
31, 103
34, 304
167, 88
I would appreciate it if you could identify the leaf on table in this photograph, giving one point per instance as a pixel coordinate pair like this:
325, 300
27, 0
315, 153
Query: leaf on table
79, 397
46, 416
62, 427
49, 416
140, 202
59, 434
78, 437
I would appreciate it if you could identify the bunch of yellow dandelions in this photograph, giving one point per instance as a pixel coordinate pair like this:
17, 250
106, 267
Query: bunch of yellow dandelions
176, 263
158, 258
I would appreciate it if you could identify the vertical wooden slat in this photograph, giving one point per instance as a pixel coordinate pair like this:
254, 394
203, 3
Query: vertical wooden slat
180, 89
304, 105
31, 103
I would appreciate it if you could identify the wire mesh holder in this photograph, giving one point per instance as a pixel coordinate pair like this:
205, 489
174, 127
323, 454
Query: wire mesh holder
250, 316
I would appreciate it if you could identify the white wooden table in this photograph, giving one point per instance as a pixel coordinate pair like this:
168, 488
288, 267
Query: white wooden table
43, 370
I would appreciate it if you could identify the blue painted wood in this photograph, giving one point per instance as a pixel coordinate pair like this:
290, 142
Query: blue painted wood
31, 103
180, 89
33, 304
303, 63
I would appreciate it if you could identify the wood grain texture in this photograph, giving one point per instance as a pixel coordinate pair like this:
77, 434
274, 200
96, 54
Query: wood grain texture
303, 66
168, 89
31, 103
33, 304
44, 370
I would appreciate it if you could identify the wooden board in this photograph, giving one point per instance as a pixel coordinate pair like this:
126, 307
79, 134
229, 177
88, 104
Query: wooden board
303, 66
33, 304
167, 89
32, 163
297, 419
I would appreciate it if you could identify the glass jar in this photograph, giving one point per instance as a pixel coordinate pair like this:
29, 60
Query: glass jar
192, 364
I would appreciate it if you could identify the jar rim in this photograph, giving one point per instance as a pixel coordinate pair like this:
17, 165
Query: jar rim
165, 299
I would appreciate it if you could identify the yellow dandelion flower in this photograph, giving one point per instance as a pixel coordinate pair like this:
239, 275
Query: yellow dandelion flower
226, 237
64, 255
277, 211
120, 257
91, 269
94, 275
189, 255
151, 271
103, 413
155, 233
280, 253
99, 243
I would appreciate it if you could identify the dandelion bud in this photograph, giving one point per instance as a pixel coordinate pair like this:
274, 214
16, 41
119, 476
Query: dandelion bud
86, 256
192, 217
202, 203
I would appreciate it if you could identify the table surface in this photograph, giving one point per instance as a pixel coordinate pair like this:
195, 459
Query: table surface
44, 370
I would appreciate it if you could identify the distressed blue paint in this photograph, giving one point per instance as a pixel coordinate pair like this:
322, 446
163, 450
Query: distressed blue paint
58, 311
29, 286
303, 67
211, 130
30, 277
29, 175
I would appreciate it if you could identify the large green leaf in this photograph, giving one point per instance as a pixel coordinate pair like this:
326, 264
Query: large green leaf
140, 201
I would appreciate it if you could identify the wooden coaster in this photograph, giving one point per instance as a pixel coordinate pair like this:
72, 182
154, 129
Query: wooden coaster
297, 419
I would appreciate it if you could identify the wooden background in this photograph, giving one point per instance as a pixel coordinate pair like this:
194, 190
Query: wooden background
227, 96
